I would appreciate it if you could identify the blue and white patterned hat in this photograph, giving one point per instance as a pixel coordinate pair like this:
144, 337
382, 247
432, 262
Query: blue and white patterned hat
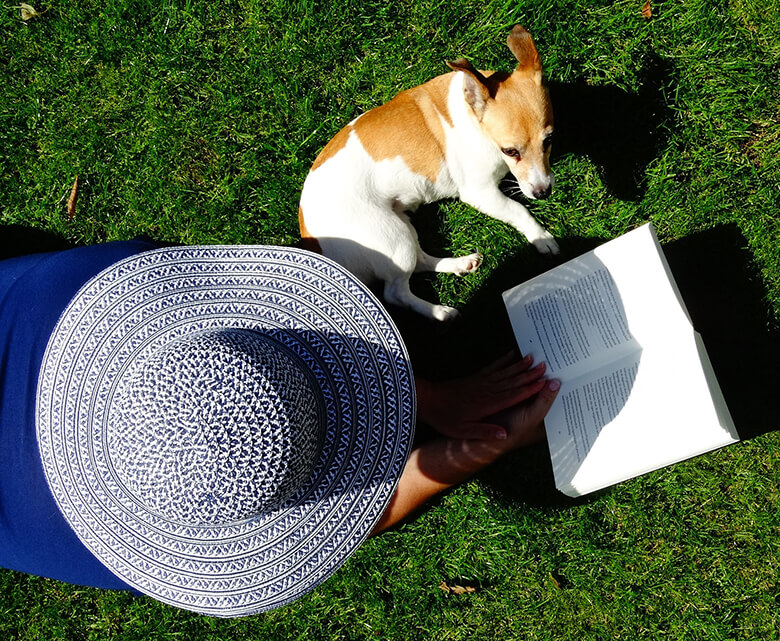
223, 426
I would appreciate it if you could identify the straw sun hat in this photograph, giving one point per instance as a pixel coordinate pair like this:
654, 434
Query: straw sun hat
223, 426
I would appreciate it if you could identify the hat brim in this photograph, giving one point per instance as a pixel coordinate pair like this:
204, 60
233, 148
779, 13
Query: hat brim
322, 314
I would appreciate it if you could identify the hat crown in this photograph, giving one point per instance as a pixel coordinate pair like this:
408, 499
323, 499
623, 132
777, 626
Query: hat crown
216, 428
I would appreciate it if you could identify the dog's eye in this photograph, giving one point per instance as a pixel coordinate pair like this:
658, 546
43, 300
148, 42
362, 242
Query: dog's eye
547, 142
511, 152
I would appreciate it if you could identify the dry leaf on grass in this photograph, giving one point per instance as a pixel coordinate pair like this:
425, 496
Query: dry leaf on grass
74, 193
647, 10
28, 12
455, 589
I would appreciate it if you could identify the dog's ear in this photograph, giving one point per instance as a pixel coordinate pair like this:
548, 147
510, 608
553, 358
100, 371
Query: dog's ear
475, 88
521, 44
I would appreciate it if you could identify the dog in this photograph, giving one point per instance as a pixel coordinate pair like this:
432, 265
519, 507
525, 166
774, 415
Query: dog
454, 136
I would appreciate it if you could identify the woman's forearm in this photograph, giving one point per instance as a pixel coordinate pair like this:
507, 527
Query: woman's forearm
444, 462
432, 468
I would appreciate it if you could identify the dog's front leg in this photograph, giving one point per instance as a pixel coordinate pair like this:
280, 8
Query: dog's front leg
492, 202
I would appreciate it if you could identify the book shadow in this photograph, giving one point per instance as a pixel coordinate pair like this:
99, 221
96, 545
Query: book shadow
728, 304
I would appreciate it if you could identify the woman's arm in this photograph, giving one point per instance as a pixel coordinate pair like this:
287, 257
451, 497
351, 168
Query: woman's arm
445, 461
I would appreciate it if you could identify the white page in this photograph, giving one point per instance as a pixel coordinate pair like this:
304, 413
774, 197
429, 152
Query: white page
570, 318
603, 305
662, 414
646, 286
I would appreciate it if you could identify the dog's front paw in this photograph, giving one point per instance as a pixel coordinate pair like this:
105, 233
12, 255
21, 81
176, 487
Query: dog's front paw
545, 243
444, 313
468, 264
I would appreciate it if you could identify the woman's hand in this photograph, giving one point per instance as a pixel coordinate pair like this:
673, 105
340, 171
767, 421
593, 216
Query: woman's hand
446, 461
524, 423
474, 407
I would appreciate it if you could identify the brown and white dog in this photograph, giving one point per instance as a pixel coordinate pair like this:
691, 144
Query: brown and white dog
454, 136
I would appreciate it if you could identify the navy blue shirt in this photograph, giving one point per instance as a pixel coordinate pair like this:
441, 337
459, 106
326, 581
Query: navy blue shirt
34, 291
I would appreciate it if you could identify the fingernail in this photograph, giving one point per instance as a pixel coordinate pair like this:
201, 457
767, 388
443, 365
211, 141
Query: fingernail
555, 385
500, 435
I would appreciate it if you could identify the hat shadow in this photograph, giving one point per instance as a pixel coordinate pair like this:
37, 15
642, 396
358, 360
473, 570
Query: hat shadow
17, 240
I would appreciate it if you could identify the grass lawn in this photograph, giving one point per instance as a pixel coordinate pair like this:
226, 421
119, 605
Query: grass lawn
196, 122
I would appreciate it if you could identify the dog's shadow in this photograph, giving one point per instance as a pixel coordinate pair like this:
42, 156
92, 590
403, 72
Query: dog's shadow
619, 131
726, 300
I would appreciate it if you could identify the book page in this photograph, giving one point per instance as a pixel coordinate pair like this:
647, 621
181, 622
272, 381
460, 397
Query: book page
571, 317
590, 404
638, 415
597, 307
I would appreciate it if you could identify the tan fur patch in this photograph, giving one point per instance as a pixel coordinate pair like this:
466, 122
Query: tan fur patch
529, 88
409, 126
521, 107
307, 240
336, 144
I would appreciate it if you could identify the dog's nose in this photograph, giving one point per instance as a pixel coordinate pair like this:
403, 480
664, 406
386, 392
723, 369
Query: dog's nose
541, 194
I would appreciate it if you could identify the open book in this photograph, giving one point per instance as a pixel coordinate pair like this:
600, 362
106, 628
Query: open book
638, 390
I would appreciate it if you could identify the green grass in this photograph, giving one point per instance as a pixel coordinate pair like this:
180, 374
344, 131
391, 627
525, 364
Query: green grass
196, 122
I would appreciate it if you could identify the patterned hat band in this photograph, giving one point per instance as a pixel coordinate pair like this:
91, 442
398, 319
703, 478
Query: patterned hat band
215, 428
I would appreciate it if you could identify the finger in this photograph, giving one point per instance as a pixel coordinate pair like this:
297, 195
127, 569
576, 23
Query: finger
524, 386
510, 368
539, 407
502, 362
520, 378
530, 390
510, 399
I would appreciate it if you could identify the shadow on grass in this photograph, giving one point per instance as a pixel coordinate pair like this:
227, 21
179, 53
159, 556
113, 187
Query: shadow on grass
17, 240
481, 334
727, 304
620, 132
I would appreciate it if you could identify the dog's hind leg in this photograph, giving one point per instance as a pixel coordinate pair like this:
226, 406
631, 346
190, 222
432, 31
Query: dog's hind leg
460, 265
397, 292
